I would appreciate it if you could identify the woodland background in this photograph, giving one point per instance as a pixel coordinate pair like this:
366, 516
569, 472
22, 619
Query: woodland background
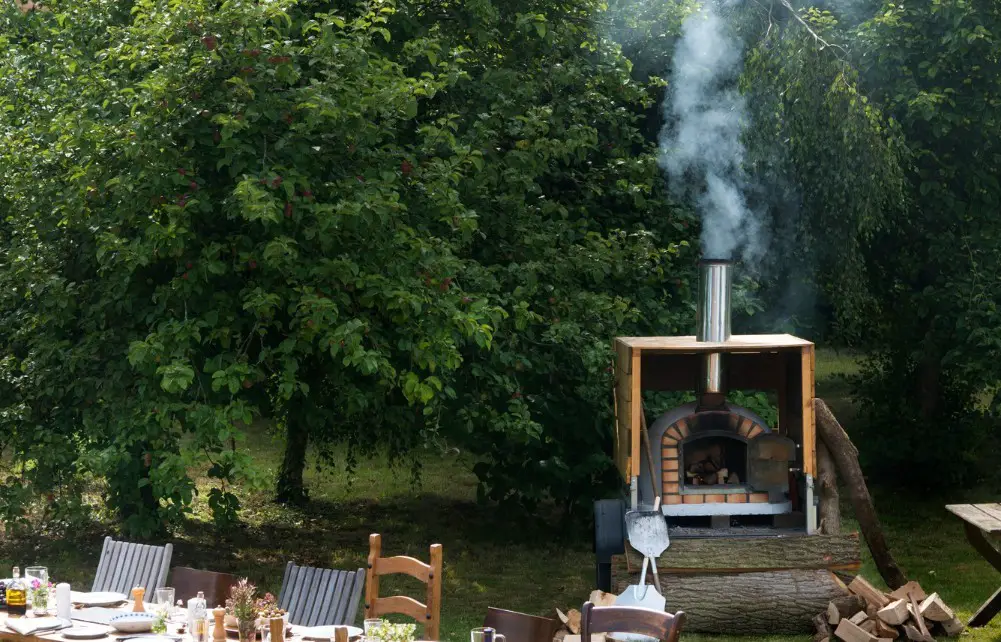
397, 230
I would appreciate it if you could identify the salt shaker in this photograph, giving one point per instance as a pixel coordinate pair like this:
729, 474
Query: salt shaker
63, 599
197, 609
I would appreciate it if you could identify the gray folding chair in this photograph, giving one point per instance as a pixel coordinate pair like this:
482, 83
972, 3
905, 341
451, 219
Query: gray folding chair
320, 596
125, 565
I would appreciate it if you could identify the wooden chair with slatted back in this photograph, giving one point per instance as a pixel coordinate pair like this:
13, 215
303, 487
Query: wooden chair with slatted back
320, 596
428, 613
188, 581
125, 565
521, 627
630, 619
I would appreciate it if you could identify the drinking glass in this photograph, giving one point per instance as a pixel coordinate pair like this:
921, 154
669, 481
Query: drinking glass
41, 574
371, 624
165, 600
485, 634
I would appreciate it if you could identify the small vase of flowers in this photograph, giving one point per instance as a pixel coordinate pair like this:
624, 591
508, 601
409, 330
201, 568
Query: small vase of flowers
40, 592
242, 603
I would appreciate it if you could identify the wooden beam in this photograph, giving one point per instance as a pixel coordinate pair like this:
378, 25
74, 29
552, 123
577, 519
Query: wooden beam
636, 407
846, 457
809, 422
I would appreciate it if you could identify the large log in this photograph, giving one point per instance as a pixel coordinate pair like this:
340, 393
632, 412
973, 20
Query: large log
846, 457
742, 554
750, 603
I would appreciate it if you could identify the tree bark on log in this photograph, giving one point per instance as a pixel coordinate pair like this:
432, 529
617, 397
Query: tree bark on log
728, 554
750, 603
846, 457
827, 489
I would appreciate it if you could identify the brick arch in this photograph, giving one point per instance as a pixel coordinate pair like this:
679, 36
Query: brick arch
686, 429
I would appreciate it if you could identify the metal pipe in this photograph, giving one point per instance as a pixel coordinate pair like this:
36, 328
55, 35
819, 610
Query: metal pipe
713, 319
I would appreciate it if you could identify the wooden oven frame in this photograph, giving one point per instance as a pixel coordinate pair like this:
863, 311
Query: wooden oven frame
772, 362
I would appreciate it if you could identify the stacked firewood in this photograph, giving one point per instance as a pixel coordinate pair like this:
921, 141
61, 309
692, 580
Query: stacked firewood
870, 615
570, 631
707, 468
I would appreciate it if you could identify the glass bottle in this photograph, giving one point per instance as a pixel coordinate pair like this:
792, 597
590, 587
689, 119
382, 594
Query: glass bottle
17, 594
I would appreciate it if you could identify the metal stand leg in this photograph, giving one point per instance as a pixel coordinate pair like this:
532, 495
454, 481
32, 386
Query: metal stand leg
991, 607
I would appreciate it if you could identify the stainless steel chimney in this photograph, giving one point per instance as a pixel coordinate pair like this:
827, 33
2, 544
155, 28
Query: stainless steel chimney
713, 325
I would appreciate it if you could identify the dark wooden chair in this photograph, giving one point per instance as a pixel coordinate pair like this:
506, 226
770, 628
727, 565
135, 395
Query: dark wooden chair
630, 619
320, 596
521, 627
188, 581
125, 565
428, 613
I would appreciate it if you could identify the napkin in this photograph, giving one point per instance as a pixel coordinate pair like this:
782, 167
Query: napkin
31, 625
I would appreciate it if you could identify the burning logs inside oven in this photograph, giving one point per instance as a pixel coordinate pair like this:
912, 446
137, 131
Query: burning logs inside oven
707, 467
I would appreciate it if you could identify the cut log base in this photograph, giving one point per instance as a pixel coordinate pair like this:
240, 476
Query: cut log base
733, 603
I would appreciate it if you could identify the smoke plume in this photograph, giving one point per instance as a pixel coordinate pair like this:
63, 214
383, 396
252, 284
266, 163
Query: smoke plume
700, 145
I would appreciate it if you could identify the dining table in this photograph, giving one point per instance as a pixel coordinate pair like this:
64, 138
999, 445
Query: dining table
176, 627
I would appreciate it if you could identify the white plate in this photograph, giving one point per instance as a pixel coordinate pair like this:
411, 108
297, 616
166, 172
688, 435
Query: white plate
97, 599
133, 622
84, 632
325, 632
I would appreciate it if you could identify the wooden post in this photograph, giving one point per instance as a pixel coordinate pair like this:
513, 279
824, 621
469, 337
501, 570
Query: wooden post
827, 488
434, 594
846, 456
371, 579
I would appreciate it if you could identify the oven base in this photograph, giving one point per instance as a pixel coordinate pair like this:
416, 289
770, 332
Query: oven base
706, 510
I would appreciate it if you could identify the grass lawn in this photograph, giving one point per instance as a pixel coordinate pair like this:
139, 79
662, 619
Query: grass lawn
489, 561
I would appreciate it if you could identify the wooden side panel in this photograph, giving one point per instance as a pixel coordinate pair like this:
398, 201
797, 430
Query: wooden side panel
809, 421
635, 408
623, 412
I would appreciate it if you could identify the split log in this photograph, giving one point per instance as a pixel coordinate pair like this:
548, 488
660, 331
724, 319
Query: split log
914, 635
858, 618
600, 598
884, 630
919, 619
850, 632
953, 627
824, 630
734, 555
846, 456
716, 603
934, 609
845, 606
872, 595
904, 592
829, 512
894, 613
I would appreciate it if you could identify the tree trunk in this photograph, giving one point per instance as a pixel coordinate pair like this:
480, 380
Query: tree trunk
846, 456
290, 487
737, 554
750, 603
827, 489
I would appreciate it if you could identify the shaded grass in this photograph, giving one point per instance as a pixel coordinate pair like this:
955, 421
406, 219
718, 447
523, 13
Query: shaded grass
525, 563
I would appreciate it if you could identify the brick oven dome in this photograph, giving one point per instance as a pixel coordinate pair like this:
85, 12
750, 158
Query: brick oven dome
731, 424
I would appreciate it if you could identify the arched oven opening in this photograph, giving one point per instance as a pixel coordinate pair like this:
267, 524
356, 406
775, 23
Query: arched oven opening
725, 461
